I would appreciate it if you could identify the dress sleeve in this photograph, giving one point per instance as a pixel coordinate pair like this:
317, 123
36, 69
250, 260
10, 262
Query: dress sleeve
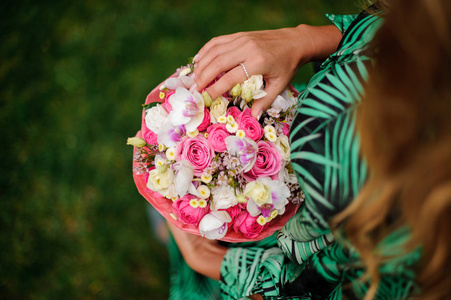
324, 143
341, 21
248, 271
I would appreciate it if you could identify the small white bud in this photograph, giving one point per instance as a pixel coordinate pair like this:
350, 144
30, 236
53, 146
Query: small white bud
136, 141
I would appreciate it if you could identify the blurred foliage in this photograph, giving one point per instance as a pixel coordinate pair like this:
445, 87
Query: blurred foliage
72, 77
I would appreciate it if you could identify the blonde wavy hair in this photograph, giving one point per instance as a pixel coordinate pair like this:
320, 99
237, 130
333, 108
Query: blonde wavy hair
404, 123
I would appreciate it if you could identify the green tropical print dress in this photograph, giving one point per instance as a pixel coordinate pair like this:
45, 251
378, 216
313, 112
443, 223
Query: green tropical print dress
308, 263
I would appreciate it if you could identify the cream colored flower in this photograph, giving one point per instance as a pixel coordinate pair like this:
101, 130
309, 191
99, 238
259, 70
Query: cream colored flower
206, 178
258, 192
202, 203
253, 88
240, 133
222, 119
194, 203
269, 128
232, 127
161, 182
261, 220
159, 161
271, 136
283, 145
218, 108
170, 153
203, 191
193, 134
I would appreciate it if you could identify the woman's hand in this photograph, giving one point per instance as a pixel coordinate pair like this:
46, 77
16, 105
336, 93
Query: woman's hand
202, 255
275, 54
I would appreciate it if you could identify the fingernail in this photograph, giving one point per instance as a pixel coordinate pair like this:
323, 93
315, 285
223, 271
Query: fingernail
193, 76
195, 57
193, 87
259, 115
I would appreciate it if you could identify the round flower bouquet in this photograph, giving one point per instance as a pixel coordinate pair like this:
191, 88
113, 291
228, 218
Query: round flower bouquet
209, 167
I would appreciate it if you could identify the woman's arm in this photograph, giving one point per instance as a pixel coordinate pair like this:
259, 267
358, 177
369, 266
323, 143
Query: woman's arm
202, 255
275, 54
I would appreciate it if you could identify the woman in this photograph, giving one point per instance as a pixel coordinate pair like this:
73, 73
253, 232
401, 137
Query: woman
397, 230
306, 234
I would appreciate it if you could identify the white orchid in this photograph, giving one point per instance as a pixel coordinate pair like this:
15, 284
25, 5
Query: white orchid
183, 180
213, 226
284, 101
170, 135
266, 195
243, 148
187, 109
286, 176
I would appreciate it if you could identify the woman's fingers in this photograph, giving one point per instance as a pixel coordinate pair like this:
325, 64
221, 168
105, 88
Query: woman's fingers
220, 58
218, 65
227, 82
216, 41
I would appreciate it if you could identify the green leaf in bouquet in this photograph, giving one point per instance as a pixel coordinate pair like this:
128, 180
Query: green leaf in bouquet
150, 105
191, 63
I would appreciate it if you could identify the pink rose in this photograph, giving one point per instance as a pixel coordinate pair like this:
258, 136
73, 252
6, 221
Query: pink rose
216, 135
234, 112
150, 137
285, 128
249, 125
205, 122
248, 225
196, 151
188, 214
234, 211
268, 163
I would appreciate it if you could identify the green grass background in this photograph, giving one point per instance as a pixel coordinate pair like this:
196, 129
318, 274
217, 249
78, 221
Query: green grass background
73, 76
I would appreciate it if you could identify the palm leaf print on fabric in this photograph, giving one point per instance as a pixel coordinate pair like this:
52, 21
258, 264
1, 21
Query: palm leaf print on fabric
325, 149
